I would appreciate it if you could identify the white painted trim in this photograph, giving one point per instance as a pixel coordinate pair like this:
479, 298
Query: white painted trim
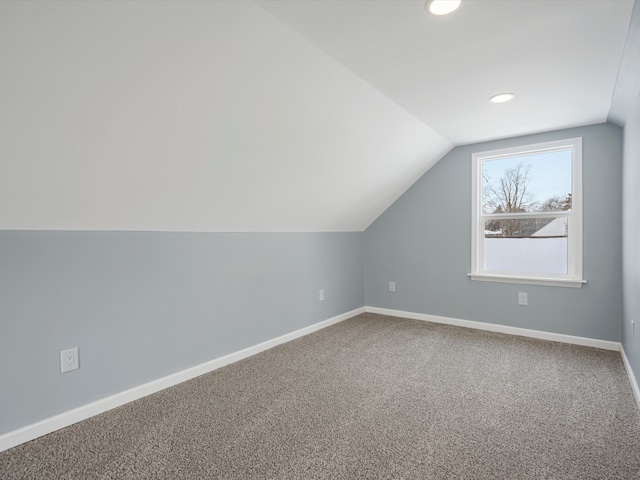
553, 282
632, 377
573, 278
48, 425
492, 327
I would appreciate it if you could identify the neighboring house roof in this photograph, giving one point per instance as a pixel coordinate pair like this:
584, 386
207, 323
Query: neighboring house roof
556, 228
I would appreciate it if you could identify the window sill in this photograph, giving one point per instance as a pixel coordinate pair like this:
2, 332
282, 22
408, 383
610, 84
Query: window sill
552, 282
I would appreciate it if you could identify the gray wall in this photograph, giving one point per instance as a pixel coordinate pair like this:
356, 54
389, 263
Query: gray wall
631, 238
143, 305
423, 243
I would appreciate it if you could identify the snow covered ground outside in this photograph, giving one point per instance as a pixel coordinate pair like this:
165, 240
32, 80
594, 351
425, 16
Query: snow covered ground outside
531, 255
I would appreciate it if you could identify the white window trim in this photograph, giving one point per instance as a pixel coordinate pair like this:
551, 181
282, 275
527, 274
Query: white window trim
574, 247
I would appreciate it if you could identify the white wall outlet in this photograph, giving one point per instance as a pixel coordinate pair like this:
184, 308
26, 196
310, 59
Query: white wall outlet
321, 295
69, 360
392, 286
523, 298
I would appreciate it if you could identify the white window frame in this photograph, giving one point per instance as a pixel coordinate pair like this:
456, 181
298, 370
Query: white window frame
573, 278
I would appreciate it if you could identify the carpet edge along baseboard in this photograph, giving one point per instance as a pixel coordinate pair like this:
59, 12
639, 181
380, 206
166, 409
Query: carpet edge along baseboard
64, 419
51, 424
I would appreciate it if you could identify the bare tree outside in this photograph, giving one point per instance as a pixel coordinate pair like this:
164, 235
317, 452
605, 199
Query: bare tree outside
556, 203
509, 194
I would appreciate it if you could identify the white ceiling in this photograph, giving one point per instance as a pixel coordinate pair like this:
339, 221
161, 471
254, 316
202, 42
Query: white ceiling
560, 57
278, 115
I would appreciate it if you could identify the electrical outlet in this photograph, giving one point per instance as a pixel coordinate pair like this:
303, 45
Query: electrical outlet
69, 360
392, 286
523, 299
321, 295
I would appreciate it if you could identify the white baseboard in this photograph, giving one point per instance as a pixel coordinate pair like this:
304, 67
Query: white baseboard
48, 425
632, 377
492, 327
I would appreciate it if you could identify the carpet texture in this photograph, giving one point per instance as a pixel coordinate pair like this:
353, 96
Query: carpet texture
373, 397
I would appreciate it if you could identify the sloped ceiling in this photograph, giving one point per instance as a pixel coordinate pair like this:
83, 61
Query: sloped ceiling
273, 116
191, 116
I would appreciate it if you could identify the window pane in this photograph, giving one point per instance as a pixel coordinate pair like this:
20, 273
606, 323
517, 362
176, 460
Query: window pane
530, 245
539, 182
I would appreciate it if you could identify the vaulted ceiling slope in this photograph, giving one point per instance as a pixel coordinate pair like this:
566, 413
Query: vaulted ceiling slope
270, 115
191, 116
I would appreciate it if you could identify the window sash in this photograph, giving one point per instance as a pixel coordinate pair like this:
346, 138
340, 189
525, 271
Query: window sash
573, 278
545, 214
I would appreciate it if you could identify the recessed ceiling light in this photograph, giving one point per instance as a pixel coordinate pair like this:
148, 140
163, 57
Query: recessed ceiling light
442, 7
502, 97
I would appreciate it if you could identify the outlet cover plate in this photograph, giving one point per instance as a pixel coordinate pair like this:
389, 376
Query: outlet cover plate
69, 360
523, 299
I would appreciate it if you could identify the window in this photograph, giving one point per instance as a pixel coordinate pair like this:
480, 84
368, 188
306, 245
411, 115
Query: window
527, 214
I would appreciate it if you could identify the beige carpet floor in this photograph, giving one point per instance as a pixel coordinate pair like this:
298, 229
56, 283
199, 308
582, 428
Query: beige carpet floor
373, 397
